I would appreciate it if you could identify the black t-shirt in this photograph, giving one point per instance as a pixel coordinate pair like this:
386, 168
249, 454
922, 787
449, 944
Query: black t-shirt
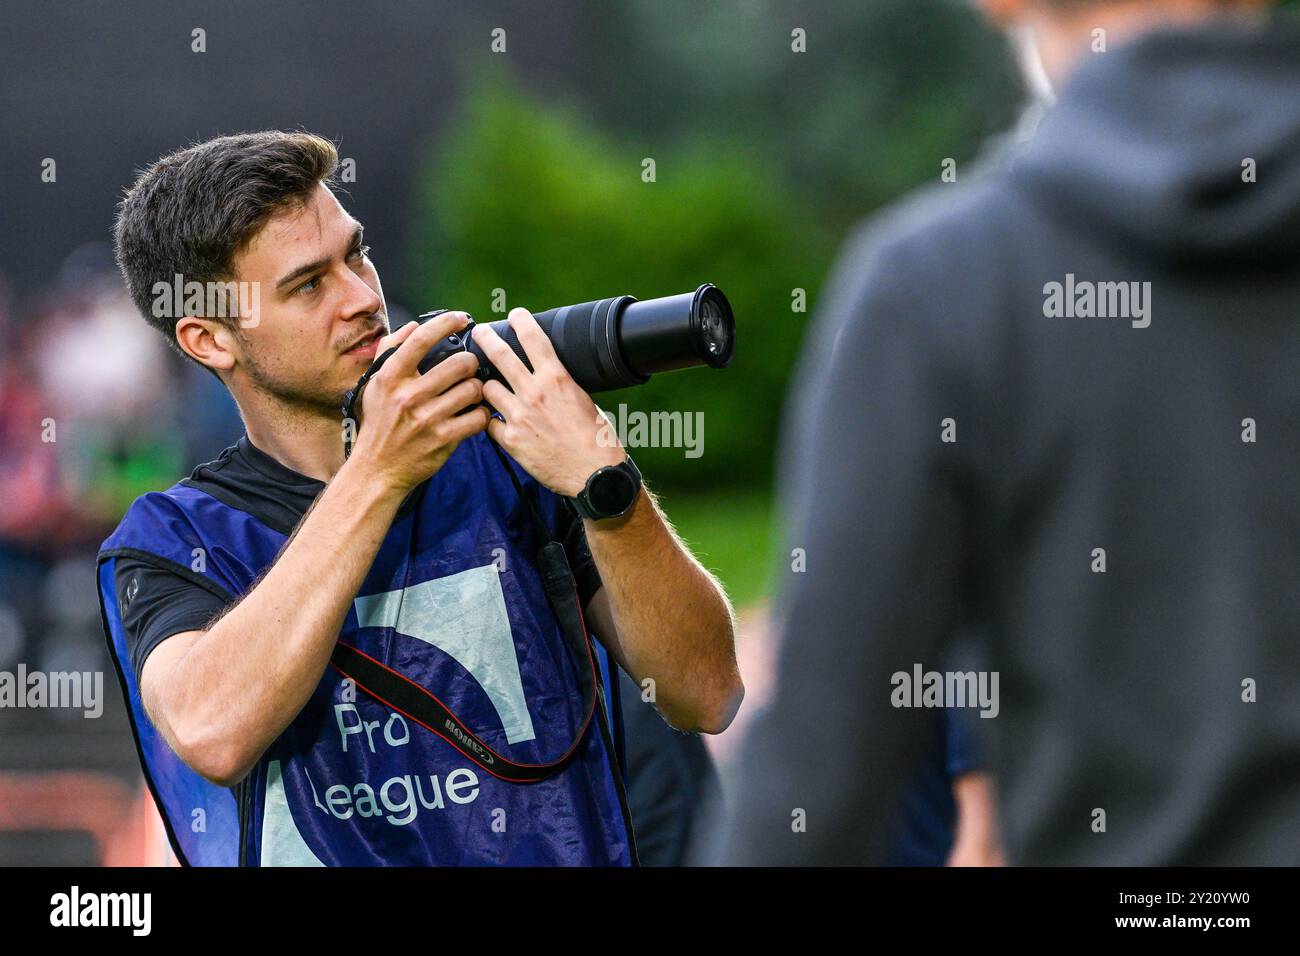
157, 602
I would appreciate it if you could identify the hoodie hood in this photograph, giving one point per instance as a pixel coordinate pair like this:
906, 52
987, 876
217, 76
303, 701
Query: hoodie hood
1147, 142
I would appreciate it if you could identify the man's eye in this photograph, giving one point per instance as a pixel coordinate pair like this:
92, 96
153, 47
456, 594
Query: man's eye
361, 251
308, 287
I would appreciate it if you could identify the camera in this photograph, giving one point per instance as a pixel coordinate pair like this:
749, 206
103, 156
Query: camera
616, 342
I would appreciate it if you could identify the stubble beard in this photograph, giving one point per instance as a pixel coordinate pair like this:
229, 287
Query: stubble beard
296, 399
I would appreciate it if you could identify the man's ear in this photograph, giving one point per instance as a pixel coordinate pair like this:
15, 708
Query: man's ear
208, 341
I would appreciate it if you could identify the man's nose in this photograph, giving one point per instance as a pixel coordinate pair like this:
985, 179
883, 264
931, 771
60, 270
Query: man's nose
359, 299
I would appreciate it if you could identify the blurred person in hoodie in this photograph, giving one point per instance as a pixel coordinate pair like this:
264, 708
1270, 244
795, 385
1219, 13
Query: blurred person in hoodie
1059, 402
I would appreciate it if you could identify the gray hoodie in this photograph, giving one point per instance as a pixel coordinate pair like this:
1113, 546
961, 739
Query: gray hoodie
1060, 406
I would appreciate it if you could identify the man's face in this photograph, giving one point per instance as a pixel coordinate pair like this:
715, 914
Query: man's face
321, 307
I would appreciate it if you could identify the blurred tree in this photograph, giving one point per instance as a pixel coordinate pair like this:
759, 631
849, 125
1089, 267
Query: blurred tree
883, 92
529, 199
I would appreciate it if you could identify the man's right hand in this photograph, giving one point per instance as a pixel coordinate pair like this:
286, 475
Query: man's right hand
221, 696
409, 422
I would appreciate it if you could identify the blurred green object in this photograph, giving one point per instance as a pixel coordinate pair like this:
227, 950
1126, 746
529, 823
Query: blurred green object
732, 534
857, 101
762, 156
526, 199
112, 469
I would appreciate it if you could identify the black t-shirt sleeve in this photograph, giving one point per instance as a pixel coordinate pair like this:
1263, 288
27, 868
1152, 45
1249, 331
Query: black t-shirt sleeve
570, 533
156, 603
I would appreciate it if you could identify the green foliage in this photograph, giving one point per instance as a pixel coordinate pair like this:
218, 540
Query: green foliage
531, 200
733, 534
884, 92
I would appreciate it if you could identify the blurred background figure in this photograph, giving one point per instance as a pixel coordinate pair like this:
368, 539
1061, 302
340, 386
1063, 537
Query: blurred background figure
670, 778
1057, 401
86, 424
949, 811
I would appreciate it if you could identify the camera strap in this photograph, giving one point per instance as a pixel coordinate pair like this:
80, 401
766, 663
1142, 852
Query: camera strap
416, 703
350, 420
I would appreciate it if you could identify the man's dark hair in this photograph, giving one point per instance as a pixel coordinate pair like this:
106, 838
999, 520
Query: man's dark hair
193, 211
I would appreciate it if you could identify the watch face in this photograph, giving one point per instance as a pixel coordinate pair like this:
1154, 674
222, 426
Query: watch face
612, 492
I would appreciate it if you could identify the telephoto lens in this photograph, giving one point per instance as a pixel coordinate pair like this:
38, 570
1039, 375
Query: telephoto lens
617, 342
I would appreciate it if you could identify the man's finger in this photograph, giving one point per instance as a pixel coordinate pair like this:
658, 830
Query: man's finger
418, 343
537, 345
448, 372
460, 427
396, 337
456, 399
500, 397
511, 367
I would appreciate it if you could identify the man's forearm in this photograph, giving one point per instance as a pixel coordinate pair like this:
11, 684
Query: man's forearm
660, 613
673, 624
245, 679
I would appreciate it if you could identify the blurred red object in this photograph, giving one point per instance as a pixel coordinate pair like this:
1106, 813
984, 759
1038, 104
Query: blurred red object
123, 822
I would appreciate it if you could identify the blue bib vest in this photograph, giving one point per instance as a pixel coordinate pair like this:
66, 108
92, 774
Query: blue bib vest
454, 602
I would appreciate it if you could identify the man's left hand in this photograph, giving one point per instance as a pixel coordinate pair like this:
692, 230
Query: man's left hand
552, 427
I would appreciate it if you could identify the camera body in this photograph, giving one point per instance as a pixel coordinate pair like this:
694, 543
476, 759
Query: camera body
604, 344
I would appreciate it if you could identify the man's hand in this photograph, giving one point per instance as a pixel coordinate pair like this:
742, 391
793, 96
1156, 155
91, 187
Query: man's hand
221, 696
660, 613
411, 420
552, 427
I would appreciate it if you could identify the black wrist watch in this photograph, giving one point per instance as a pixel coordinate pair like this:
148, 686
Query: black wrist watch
611, 491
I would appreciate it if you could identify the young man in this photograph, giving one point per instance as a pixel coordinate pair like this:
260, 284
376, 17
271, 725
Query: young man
1103, 479
227, 597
